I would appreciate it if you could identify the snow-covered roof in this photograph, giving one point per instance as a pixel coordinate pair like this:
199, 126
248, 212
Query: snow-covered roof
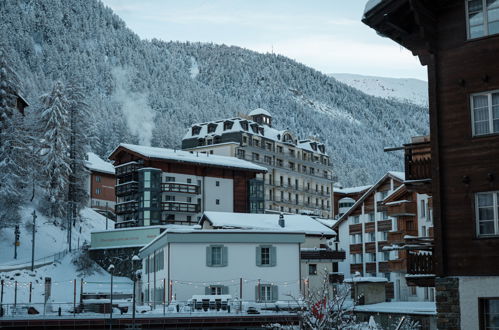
254, 221
259, 111
399, 175
366, 279
217, 128
401, 307
192, 157
352, 190
97, 164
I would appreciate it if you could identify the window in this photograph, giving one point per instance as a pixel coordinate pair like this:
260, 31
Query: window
487, 210
371, 257
371, 237
189, 180
266, 256
216, 256
413, 290
279, 149
217, 183
422, 208
189, 199
267, 160
356, 258
483, 18
485, 113
312, 269
371, 216
97, 178
169, 179
215, 290
489, 314
241, 154
98, 191
217, 201
189, 218
356, 219
255, 156
266, 293
383, 235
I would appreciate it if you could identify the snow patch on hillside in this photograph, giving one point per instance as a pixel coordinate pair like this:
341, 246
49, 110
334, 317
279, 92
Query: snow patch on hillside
50, 238
400, 89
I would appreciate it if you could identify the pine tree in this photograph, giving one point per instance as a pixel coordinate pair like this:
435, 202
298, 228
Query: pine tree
12, 148
55, 151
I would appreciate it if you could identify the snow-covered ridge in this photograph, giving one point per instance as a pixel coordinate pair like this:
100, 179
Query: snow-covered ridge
401, 89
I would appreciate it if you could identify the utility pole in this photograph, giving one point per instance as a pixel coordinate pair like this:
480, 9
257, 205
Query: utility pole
110, 269
17, 233
33, 242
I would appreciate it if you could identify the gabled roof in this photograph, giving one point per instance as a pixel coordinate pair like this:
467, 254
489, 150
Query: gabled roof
259, 111
188, 157
255, 221
394, 175
351, 190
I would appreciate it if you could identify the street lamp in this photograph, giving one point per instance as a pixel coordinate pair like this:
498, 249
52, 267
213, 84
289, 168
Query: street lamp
135, 275
110, 269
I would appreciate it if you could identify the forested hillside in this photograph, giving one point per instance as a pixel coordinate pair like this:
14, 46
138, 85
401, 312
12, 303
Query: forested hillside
149, 92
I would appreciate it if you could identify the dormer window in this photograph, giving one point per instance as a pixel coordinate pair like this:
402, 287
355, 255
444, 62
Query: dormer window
314, 146
228, 125
254, 128
482, 18
244, 125
321, 148
196, 130
212, 128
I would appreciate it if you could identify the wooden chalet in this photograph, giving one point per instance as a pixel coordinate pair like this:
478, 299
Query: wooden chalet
458, 41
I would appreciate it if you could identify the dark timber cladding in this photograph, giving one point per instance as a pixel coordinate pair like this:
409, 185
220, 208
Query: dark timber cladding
463, 164
241, 177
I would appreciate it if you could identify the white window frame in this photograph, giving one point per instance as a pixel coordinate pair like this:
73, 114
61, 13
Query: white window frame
495, 206
485, 23
490, 111
220, 254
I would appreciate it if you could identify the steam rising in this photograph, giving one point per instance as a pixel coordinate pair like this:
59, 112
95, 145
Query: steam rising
139, 115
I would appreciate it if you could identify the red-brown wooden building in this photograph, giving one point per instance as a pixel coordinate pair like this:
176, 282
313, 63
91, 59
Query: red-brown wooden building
459, 43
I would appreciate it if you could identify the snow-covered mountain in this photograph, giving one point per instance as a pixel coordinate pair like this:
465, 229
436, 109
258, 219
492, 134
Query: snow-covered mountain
401, 89
151, 91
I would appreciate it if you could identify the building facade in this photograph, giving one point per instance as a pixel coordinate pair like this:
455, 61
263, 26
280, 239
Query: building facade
299, 177
345, 198
458, 41
100, 184
319, 254
156, 186
258, 266
363, 232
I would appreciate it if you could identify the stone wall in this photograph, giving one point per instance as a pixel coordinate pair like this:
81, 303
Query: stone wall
447, 298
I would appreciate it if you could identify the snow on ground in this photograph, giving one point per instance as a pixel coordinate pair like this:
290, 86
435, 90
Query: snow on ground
401, 89
50, 239
63, 274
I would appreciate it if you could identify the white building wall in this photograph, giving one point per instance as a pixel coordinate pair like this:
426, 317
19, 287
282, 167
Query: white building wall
190, 277
471, 288
223, 192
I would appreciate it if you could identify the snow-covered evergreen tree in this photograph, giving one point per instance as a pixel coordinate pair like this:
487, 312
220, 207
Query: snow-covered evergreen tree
55, 156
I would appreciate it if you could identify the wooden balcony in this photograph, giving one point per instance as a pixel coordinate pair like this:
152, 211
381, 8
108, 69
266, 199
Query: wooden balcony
385, 225
356, 268
395, 236
180, 188
336, 277
371, 267
399, 265
355, 229
126, 207
384, 267
420, 269
322, 254
180, 207
126, 188
418, 164
402, 209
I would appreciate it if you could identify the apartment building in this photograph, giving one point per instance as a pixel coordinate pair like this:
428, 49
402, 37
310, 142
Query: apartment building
345, 198
100, 183
363, 231
458, 41
157, 186
299, 177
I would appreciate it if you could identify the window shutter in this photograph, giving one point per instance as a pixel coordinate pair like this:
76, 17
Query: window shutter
256, 293
225, 289
225, 256
258, 256
273, 256
208, 256
275, 293
207, 290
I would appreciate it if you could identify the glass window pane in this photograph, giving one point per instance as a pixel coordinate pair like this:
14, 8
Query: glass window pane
492, 3
486, 227
486, 213
481, 128
496, 126
481, 114
475, 5
485, 200
494, 27
476, 31
493, 15
480, 101
476, 18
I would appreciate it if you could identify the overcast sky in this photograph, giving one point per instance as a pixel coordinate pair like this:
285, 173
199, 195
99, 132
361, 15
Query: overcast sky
324, 34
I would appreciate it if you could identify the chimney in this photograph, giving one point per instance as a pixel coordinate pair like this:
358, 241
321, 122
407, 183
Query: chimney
281, 220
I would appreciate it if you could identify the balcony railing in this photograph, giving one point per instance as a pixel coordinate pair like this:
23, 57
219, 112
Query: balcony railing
126, 207
180, 207
324, 254
420, 263
418, 160
180, 188
401, 209
336, 277
127, 188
